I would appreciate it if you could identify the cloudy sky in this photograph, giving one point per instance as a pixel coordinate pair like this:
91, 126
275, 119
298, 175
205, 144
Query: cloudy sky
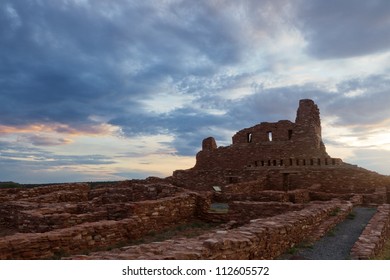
107, 90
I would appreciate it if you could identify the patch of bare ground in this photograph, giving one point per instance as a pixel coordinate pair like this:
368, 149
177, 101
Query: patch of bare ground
189, 230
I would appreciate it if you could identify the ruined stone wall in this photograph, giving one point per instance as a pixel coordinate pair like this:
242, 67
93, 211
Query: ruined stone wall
264, 238
268, 142
6, 193
299, 196
148, 216
339, 180
261, 196
374, 236
241, 212
55, 193
9, 212
128, 191
332, 182
333, 179
53, 207
287, 155
343, 182
204, 180
244, 211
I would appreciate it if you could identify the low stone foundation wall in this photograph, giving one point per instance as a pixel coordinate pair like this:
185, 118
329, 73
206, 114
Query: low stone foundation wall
148, 216
264, 196
374, 236
299, 196
52, 194
129, 191
48, 208
364, 199
379, 197
264, 238
295, 196
326, 196
244, 211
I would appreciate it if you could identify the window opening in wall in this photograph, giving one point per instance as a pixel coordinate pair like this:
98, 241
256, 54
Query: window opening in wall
304, 162
326, 161
297, 161
291, 161
311, 162
281, 162
290, 132
256, 164
274, 162
249, 137
269, 133
319, 161
269, 162
262, 163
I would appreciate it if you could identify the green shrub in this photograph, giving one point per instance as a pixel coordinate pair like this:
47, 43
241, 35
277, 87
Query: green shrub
9, 185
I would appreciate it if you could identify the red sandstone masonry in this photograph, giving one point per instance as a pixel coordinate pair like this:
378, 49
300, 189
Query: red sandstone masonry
282, 156
264, 238
43, 209
244, 211
264, 196
149, 216
374, 236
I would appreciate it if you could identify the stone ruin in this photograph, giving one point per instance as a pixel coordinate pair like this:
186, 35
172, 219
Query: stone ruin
274, 187
280, 156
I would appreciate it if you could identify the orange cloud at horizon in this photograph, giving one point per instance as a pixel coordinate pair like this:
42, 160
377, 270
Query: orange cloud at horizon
92, 130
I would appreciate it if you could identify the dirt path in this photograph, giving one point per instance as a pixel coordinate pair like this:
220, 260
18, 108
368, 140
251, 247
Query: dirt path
337, 243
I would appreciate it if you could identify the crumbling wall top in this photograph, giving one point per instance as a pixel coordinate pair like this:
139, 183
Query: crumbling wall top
282, 141
209, 144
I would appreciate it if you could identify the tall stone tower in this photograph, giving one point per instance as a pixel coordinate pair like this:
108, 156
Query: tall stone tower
308, 126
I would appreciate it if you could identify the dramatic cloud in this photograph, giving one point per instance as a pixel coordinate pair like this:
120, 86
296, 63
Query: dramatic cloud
346, 28
84, 83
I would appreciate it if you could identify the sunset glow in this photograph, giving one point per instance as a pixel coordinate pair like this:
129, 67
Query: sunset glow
113, 90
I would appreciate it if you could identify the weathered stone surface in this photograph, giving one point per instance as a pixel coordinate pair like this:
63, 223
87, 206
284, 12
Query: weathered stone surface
64, 228
264, 238
374, 236
280, 156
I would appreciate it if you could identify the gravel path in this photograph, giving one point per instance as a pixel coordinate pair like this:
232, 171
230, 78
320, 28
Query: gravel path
337, 243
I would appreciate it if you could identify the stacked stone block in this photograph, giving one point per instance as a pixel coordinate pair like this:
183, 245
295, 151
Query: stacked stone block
264, 238
374, 236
